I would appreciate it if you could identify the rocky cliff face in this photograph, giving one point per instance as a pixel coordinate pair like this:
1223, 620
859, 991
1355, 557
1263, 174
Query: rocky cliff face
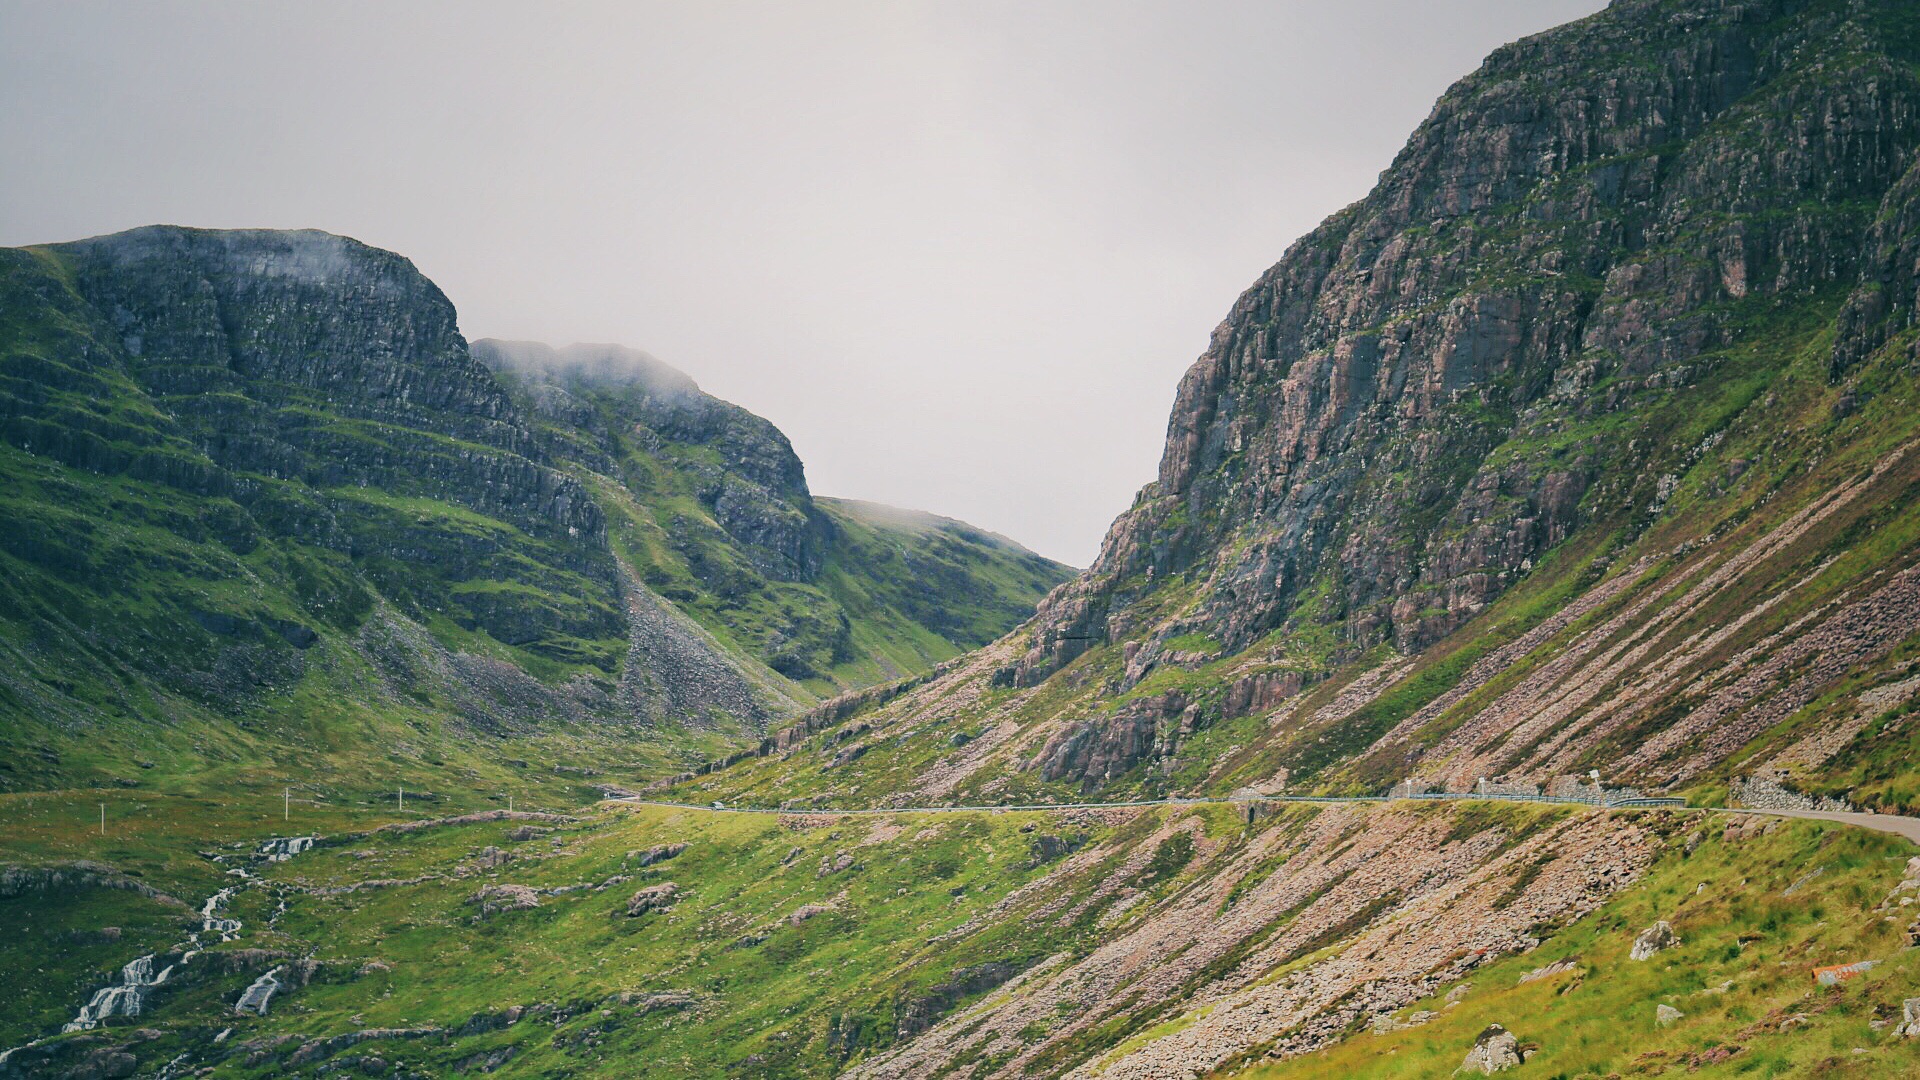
1372, 440
1585, 441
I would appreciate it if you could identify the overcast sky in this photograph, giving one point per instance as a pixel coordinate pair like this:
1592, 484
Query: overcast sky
959, 251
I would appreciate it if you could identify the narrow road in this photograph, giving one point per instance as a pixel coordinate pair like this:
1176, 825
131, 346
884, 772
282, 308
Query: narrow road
1906, 827
1889, 823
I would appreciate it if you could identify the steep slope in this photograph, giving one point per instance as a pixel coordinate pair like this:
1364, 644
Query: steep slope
1582, 443
711, 508
262, 501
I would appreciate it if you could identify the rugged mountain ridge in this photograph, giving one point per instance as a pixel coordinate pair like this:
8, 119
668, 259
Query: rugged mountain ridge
261, 474
718, 519
1585, 442
1610, 205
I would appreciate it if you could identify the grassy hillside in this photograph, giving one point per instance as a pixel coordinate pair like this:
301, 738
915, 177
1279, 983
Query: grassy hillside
268, 521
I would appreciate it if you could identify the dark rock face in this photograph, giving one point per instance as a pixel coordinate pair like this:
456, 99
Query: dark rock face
1048, 848
244, 333
1595, 207
1094, 751
309, 391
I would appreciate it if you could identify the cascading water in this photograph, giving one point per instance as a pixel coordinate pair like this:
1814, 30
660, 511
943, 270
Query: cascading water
127, 997
124, 998
211, 922
254, 1000
282, 848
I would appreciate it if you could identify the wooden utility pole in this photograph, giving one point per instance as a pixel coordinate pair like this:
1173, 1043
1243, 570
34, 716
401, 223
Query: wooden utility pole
286, 804
403, 798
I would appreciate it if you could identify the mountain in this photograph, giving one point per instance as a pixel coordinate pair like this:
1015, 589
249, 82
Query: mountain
1583, 444
261, 496
712, 512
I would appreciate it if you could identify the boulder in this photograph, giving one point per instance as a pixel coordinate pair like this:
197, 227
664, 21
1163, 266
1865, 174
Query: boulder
1495, 1050
806, 911
653, 898
1666, 1015
497, 898
1909, 1019
1654, 939
834, 863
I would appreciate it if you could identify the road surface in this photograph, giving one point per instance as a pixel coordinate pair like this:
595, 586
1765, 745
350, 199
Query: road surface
1899, 826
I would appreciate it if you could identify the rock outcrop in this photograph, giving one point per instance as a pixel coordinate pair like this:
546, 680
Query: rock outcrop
1654, 939
1909, 1019
494, 899
1496, 1050
653, 898
658, 853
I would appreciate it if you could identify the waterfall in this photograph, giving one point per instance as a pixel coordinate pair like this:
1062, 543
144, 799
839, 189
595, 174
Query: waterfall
124, 998
213, 923
254, 1000
127, 997
282, 848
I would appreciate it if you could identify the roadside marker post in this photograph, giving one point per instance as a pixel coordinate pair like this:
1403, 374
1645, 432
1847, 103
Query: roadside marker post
103, 819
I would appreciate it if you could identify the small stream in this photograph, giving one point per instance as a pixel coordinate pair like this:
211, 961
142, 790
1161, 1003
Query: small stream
127, 994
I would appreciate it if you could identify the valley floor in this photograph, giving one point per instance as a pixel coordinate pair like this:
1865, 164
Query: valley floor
1174, 940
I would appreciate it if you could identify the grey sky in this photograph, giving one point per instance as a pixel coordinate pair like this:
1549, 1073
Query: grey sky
960, 252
